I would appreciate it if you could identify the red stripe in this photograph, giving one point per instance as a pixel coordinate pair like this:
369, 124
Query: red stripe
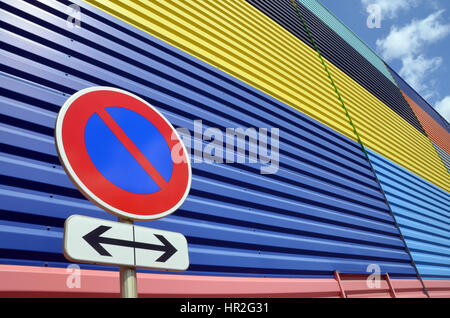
131, 147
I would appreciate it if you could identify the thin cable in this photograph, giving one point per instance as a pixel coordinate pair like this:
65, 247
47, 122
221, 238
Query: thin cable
347, 114
363, 148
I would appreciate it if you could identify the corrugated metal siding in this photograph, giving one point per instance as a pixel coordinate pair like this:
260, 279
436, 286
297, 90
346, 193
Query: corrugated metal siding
422, 211
445, 156
389, 134
404, 145
419, 100
322, 211
344, 32
435, 132
239, 39
339, 52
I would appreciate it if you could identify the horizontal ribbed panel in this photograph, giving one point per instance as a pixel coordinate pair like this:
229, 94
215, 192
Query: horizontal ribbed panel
344, 32
437, 134
419, 100
445, 156
385, 132
423, 214
322, 211
239, 39
339, 52
31, 281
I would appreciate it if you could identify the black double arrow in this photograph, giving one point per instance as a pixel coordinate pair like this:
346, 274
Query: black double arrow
95, 240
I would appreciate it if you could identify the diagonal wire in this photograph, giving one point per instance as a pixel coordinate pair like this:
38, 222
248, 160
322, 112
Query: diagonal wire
347, 114
363, 148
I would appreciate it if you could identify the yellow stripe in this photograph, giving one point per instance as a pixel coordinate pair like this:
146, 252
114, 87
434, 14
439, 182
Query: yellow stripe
384, 131
243, 42
238, 39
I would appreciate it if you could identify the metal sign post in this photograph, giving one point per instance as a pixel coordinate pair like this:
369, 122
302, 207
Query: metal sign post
128, 278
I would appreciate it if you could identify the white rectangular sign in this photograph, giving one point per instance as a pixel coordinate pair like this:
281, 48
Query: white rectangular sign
98, 241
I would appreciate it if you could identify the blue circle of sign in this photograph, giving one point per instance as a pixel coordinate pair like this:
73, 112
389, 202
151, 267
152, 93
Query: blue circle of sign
115, 162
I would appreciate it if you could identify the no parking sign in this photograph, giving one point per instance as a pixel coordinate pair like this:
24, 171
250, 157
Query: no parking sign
117, 149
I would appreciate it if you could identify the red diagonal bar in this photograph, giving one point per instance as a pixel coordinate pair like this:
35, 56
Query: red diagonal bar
131, 147
337, 277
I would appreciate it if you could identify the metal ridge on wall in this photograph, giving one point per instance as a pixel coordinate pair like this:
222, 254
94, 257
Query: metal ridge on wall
388, 134
339, 52
227, 36
422, 211
376, 137
51, 282
322, 211
435, 132
445, 156
344, 32
337, 275
237, 38
419, 100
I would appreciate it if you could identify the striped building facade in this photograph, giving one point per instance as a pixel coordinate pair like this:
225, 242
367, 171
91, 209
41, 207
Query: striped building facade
363, 177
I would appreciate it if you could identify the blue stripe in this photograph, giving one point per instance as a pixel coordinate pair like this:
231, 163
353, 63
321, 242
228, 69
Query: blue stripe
422, 211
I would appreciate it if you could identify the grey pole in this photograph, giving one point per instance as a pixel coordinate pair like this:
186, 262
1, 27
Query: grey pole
128, 280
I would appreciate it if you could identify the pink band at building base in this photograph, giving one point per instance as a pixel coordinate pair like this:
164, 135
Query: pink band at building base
29, 281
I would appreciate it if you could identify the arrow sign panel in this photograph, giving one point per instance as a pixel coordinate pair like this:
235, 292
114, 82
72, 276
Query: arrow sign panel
98, 241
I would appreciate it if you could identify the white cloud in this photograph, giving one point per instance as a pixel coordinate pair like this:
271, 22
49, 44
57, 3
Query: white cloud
415, 70
390, 8
412, 38
443, 108
408, 44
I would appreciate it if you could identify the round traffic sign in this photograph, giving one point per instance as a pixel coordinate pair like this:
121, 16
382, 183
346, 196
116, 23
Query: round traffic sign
122, 153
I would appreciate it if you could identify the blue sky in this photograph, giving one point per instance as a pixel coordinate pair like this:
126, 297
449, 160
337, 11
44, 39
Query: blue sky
413, 38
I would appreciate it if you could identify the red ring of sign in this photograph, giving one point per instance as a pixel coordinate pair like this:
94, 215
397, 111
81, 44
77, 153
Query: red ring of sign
73, 126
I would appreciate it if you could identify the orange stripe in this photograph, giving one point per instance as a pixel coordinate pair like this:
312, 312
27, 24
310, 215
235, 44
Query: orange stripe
436, 132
